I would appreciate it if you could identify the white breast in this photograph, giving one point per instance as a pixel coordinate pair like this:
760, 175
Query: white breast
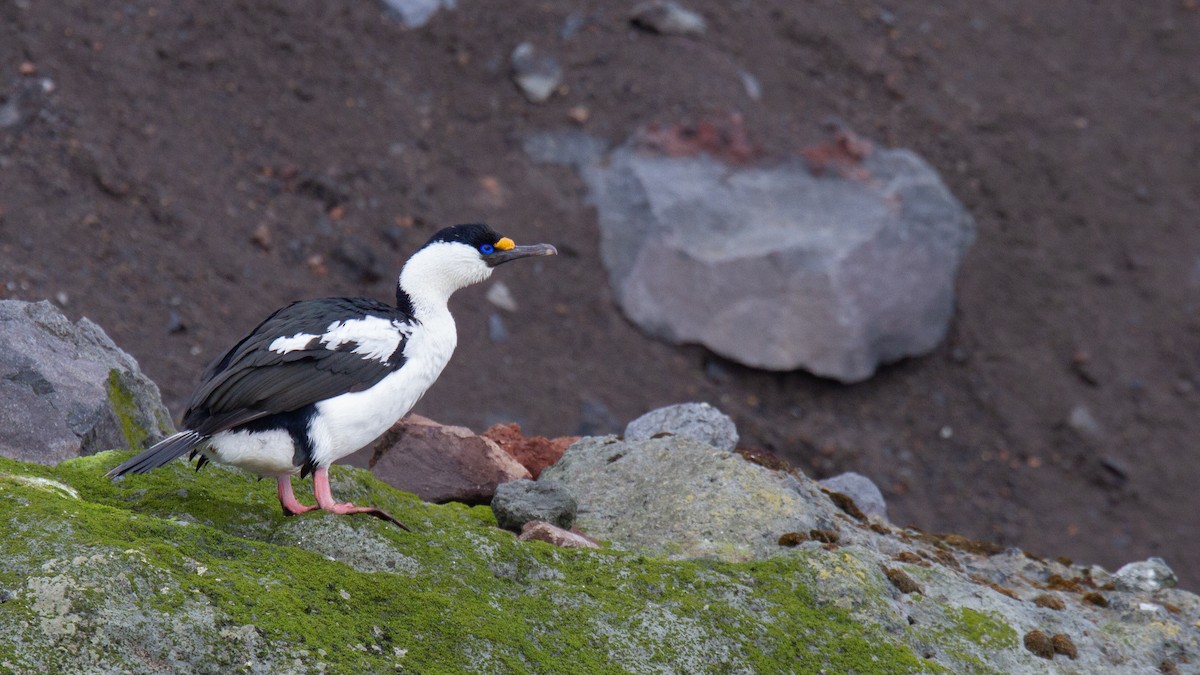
345, 423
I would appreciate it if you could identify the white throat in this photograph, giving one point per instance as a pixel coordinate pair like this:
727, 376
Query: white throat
432, 275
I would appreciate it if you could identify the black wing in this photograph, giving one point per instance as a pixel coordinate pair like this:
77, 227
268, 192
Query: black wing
251, 381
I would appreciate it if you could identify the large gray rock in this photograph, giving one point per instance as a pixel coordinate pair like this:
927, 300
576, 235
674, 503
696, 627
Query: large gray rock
66, 390
778, 267
698, 421
682, 498
676, 498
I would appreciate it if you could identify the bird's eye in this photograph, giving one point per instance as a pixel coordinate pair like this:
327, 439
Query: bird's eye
487, 249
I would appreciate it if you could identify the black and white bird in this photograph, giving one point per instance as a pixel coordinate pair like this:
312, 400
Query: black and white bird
320, 379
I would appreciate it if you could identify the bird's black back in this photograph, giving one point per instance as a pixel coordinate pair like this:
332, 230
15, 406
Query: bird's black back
250, 382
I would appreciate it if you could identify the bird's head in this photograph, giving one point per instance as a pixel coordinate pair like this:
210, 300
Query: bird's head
459, 256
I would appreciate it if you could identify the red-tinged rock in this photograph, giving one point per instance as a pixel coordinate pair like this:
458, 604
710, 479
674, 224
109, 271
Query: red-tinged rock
843, 155
440, 463
725, 139
533, 452
537, 530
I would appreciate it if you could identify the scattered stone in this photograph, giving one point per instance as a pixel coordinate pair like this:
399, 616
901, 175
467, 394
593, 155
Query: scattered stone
497, 333
440, 463
862, 490
1146, 576
1083, 422
521, 501
900, 579
67, 390
579, 114
572, 25
698, 421
838, 262
10, 114
6, 595
667, 17
536, 74
499, 295
1039, 644
751, 85
417, 13
535, 453
536, 530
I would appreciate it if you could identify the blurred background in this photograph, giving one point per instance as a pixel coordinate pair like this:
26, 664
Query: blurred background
176, 171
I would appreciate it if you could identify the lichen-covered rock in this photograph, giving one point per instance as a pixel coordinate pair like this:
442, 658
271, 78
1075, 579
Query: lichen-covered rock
698, 421
178, 571
66, 390
678, 497
675, 497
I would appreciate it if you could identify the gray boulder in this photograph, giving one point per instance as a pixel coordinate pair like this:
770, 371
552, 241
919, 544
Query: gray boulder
778, 267
1014, 613
682, 498
522, 501
698, 421
66, 390
1146, 576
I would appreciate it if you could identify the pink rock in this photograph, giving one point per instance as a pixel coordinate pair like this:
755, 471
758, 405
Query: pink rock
440, 463
539, 530
533, 452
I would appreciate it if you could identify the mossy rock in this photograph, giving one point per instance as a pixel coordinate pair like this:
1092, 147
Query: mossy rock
182, 571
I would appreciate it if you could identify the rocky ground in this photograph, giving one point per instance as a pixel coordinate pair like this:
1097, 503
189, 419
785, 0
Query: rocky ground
176, 172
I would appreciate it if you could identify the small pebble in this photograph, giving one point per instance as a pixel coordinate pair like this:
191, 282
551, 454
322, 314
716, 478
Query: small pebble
536, 74
667, 18
497, 333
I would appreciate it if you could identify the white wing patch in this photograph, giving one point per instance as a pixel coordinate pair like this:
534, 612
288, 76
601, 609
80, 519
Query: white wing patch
374, 337
283, 345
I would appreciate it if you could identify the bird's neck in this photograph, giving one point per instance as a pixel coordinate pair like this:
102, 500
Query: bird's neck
427, 282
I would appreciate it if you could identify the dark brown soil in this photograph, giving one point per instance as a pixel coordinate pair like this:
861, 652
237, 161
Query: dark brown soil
175, 171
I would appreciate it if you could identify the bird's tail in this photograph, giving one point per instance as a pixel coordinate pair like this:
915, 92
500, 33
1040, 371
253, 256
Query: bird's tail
160, 453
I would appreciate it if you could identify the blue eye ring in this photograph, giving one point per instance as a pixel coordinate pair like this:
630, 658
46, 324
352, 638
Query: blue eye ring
487, 249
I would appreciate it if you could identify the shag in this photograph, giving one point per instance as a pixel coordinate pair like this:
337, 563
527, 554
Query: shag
319, 379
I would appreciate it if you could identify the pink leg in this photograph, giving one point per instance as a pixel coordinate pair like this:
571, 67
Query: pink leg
326, 503
287, 498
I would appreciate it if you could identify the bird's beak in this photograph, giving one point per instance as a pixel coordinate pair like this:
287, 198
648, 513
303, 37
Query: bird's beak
507, 251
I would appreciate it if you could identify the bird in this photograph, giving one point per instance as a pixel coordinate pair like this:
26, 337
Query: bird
319, 379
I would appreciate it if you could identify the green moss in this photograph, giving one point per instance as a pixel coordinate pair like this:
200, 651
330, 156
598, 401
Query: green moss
124, 405
218, 576
985, 628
